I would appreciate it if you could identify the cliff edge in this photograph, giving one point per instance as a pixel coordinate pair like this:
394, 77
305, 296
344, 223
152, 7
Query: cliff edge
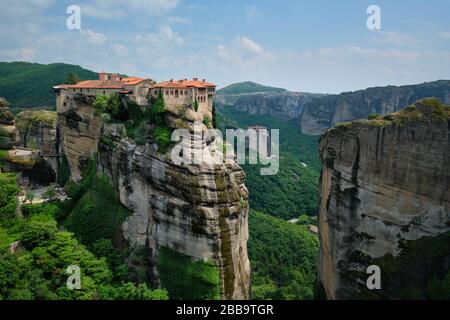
385, 200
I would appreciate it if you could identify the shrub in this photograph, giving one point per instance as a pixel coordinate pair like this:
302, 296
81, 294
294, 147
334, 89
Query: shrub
63, 172
206, 121
163, 136
195, 106
38, 231
372, 116
8, 198
187, 279
158, 108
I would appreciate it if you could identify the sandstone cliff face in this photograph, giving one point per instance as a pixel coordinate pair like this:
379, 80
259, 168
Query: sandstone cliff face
79, 129
385, 184
285, 105
198, 210
9, 136
324, 112
38, 131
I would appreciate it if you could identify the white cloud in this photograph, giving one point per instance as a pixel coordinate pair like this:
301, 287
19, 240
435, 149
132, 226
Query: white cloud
120, 50
244, 51
178, 20
27, 54
119, 8
24, 8
395, 38
94, 38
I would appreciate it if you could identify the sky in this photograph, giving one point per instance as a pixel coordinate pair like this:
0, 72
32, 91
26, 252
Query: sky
301, 45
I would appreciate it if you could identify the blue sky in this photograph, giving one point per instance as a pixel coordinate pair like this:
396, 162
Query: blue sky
312, 46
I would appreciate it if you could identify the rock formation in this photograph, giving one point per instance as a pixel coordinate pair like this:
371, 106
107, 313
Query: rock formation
285, 105
197, 210
9, 136
385, 200
324, 112
37, 131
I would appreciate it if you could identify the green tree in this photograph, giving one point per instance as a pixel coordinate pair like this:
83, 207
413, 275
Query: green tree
72, 79
30, 195
195, 106
158, 107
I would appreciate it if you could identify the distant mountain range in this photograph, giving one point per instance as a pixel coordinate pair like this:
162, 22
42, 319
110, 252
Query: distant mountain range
324, 112
317, 112
257, 99
25, 84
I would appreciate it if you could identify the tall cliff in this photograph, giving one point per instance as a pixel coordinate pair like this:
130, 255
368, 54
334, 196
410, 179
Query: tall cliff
324, 112
385, 200
198, 210
9, 135
285, 105
37, 130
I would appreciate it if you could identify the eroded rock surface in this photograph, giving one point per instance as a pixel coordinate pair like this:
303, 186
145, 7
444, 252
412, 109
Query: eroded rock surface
324, 112
385, 183
197, 210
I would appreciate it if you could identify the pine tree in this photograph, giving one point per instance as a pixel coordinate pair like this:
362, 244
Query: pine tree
196, 105
158, 107
72, 79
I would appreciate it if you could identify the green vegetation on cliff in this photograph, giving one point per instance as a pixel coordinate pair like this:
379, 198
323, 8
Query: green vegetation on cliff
420, 271
36, 269
283, 256
294, 190
187, 279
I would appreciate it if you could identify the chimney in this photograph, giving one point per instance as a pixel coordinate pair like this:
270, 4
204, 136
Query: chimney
115, 77
204, 80
103, 76
195, 79
171, 80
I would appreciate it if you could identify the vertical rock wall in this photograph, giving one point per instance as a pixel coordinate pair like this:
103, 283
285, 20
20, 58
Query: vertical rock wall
385, 183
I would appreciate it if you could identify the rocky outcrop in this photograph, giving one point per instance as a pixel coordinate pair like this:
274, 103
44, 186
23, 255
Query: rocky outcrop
385, 198
324, 112
79, 128
37, 130
287, 105
9, 136
198, 210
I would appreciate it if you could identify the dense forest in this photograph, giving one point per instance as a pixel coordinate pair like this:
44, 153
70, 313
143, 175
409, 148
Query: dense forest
294, 190
26, 84
283, 257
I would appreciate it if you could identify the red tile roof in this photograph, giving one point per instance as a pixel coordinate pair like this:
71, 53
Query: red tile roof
132, 80
184, 84
94, 84
103, 84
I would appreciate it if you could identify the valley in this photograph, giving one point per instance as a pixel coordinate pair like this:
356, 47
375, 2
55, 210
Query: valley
374, 183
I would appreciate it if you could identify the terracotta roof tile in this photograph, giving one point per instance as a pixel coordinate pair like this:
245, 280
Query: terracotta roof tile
184, 84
